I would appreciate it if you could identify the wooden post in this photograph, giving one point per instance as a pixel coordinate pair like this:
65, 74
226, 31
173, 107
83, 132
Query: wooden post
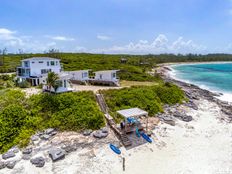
123, 163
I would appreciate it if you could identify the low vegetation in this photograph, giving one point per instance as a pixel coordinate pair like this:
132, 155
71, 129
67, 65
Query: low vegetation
20, 117
133, 68
149, 98
7, 81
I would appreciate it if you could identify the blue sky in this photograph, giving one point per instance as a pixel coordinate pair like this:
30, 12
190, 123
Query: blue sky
117, 26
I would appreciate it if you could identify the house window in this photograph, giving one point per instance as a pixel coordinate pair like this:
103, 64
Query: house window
45, 71
26, 64
32, 62
47, 63
100, 76
65, 85
84, 75
52, 63
114, 75
41, 62
56, 63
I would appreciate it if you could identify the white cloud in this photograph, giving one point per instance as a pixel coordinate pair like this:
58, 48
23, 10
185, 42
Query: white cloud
103, 37
60, 38
4, 31
161, 44
9, 38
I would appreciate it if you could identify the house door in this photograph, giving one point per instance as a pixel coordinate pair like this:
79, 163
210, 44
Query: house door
100, 76
34, 82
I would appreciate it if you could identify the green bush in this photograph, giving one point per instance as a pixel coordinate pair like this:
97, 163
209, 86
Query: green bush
149, 98
169, 93
12, 118
24, 84
20, 117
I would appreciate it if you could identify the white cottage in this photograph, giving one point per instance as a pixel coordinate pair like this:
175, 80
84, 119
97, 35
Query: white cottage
106, 77
36, 69
64, 84
81, 75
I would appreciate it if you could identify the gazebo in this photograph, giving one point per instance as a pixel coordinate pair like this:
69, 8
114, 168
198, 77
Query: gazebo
131, 116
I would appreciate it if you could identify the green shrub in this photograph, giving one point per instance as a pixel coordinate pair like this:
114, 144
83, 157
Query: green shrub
169, 94
149, 98
24, 84
12, 118
20, 117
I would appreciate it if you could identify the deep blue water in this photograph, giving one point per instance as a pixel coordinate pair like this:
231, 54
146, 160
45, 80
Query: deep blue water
216, 77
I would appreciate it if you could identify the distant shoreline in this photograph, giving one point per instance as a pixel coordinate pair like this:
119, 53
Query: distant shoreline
192, 63
169, 66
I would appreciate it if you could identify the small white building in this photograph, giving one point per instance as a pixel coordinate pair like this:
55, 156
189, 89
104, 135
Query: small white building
81, 75
33, 69
64, 84
106, 77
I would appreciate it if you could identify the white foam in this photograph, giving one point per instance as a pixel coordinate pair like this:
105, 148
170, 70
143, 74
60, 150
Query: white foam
226, 96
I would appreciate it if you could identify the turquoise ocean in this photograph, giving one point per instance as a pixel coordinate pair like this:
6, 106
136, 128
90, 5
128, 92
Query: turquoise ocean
216, 77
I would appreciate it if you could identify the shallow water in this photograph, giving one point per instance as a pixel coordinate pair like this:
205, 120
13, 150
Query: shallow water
212, 76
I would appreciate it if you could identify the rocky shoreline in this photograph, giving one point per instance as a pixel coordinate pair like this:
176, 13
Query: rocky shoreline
195, 93
51, 146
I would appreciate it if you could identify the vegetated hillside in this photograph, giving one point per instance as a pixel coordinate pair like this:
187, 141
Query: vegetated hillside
149, 98
133, 69
20, 117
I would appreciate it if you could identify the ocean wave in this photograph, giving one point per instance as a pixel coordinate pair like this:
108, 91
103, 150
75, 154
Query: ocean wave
226, 96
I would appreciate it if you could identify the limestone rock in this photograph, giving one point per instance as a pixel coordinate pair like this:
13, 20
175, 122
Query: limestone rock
49, 131
26, 156
27, 151
56, 154
38, 161
45, 137
9, 154
2, 165
34, 138
87, 132
10, 164
104, 130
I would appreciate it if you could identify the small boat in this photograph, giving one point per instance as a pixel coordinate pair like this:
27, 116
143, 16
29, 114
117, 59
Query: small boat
115, 149
146, 137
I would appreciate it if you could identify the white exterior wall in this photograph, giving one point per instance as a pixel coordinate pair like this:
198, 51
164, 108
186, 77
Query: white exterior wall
78, 75
106, 75
35, 65
60, 89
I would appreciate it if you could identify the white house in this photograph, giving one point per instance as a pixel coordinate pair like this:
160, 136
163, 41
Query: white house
106, 77
36, 69
81, 75
33, 69
64, 84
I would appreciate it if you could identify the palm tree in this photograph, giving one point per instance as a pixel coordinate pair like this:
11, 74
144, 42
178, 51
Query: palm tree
52, 81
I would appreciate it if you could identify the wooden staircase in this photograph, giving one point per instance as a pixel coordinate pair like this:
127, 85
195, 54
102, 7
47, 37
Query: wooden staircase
102, 103
104, 108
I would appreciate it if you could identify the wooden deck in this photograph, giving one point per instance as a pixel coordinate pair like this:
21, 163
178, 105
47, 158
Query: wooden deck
128, 136
121, 135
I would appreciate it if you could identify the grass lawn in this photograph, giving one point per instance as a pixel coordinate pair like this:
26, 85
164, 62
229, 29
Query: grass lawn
125, 83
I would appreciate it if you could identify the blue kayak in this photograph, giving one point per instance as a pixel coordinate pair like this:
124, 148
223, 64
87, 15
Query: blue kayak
115, 149
146, 137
